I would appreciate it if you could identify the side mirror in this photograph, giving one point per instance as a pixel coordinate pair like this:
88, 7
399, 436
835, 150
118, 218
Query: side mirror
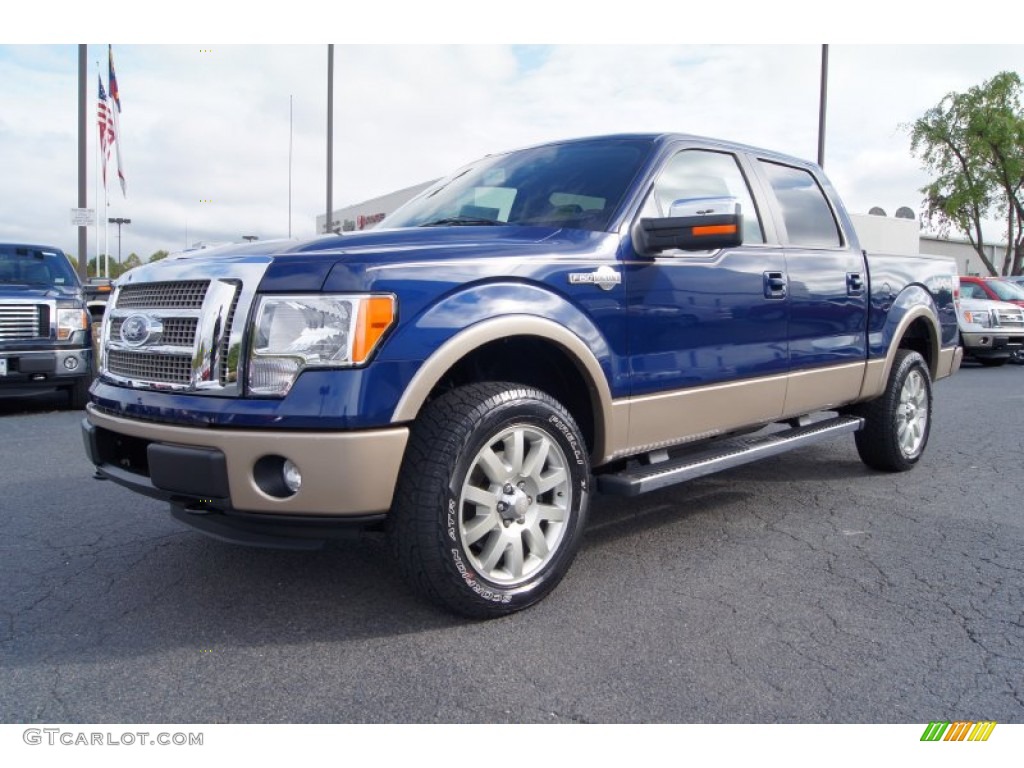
694, 224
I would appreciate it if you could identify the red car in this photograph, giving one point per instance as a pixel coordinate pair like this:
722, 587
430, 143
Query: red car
994, 288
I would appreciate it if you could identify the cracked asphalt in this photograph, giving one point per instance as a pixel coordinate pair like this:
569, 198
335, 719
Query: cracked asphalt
805, 588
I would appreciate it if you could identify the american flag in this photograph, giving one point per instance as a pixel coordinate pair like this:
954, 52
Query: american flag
115, 113
106, 127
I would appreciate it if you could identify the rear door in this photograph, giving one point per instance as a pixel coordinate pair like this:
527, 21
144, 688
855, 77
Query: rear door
828, 289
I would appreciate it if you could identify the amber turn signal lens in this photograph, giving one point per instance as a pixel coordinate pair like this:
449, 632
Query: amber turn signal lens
721, 229
375, 316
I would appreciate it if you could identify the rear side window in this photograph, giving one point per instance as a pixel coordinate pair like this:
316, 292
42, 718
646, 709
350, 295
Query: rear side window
805, 210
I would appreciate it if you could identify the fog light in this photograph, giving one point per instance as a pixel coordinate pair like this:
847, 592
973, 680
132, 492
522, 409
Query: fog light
292, 476
71, 363
277, 476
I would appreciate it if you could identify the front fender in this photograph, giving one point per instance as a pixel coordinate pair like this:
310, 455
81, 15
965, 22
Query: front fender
464, 321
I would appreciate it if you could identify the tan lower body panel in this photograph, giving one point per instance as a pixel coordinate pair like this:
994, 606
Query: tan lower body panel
949, 361
343, 473
657, 421
822, 389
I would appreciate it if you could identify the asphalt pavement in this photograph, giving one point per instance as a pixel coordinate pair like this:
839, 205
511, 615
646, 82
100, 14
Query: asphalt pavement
805, 588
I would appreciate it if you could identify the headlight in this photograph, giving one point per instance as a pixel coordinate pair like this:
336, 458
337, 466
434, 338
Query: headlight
69, 321
297, 332
978, 317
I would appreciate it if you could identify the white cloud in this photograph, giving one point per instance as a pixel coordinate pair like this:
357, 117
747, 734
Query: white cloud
210, 122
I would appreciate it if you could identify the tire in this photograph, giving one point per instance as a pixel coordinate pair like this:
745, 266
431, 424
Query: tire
491, 500
897, 424
78, 393
993, 362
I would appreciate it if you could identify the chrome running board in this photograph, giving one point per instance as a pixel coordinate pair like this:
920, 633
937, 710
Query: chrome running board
726, 454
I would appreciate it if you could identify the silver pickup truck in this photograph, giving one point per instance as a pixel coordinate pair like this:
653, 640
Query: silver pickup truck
991, 332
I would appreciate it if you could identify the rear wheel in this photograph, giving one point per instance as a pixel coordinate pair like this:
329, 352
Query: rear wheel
897, 424
491, 499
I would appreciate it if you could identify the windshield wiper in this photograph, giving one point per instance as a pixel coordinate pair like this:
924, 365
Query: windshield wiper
462, 221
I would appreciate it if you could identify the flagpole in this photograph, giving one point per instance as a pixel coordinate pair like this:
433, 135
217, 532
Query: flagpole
96, 198
83, 156
330, 135
822, 101
290, 132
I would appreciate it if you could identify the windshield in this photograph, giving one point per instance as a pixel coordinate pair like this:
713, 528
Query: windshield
1006, 291
577, 185
26, 265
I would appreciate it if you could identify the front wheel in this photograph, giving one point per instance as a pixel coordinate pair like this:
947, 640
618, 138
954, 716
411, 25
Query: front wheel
897, 424
491, 499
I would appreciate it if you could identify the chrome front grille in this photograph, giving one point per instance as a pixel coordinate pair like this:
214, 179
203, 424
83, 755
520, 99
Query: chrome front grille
177, 331
168, 369
172, 335
180, 294
186, 333
24, 321
229, 367
1010, 319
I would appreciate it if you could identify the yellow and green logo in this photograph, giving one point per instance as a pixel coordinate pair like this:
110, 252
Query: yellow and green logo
961, 730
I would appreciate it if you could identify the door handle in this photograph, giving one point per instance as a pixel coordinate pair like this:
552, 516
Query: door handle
854, 284
774, 285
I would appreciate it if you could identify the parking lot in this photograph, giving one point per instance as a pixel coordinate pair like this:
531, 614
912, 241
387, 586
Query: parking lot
805, 588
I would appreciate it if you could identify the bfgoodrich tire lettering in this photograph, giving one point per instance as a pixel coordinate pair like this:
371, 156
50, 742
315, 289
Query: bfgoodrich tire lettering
491, 499
897, 424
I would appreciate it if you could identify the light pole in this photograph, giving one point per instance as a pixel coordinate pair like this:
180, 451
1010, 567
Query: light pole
821, 106
119, 221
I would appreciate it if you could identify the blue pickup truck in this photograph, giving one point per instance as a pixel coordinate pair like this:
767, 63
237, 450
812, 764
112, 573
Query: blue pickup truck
45, 331
611, 314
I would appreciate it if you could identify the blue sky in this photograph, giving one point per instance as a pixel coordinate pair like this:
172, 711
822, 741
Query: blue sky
205, 125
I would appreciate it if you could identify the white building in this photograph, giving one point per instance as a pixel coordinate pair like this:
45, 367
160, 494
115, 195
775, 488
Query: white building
367, 214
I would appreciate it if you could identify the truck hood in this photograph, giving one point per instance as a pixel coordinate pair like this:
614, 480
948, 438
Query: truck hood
305, 265
24, 292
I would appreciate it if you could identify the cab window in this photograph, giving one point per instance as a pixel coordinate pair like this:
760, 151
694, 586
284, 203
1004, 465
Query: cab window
805, 210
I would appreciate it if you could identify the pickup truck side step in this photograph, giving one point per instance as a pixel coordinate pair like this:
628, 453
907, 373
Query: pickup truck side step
725, 455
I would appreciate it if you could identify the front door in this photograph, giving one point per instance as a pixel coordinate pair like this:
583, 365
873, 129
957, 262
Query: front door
707, 330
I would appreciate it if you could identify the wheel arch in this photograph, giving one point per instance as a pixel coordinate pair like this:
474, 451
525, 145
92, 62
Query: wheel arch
912, 324
559, 363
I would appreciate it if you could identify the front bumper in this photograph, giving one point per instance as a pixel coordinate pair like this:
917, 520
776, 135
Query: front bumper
344, 474
993, 343
32, 370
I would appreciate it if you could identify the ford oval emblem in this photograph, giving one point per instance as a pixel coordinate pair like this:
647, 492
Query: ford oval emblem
135, 330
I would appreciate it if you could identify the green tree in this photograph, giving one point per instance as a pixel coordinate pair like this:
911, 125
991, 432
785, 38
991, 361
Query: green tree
131, 262
972, 144
158, 255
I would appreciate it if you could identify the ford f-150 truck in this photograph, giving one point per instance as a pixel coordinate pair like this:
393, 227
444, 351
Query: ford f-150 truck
45, 336
610, 314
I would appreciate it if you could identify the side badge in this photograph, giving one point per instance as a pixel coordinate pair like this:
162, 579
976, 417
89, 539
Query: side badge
604, 278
